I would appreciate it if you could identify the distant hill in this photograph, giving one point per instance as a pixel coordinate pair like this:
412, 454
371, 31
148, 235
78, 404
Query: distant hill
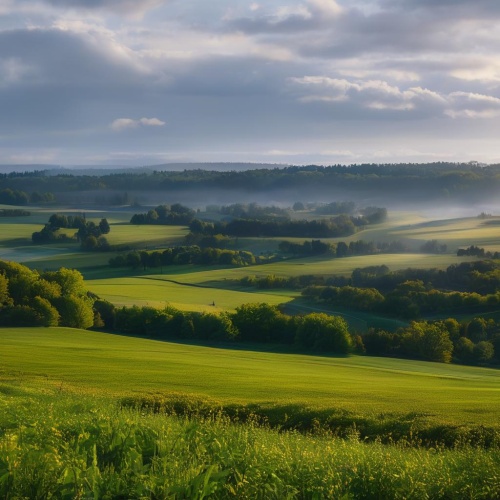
99, 170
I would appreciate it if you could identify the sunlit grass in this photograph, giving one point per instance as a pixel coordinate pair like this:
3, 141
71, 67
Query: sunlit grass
157, 291
368, 385
145, 235
56, 444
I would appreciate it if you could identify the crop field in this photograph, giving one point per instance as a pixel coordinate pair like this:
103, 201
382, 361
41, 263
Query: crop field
157, 291
414, 230
16, 231
313, 265
16, 245
177, 283
89, 361
145, 236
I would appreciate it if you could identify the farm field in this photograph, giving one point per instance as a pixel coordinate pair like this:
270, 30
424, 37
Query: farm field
159, 290
172, 285
96, 362
15, 244
412, 228
360, 425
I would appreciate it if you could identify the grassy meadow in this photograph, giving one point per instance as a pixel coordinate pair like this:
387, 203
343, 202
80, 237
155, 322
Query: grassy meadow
55, 444
120, 365
158, 291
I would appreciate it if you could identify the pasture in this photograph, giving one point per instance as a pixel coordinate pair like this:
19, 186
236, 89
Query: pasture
413, 229
157, 291
118, 365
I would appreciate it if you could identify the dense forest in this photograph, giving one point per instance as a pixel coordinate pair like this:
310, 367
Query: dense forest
459, 182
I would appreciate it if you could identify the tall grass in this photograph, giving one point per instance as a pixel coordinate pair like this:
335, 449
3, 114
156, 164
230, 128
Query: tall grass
57, 445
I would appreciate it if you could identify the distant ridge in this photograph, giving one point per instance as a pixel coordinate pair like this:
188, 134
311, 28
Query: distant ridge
107, 170
219, 166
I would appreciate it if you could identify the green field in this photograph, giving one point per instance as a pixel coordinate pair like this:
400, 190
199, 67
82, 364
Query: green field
414, 229
158, 290
411, 228
145, 237
89, 361
176, 284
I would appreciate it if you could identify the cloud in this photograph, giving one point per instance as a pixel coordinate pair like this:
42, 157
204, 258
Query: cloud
63, 56
451, 8
308, 15
472, 105
378, 95
127, 123
277, 76
370, 94
118, 6
13, 70
326, 8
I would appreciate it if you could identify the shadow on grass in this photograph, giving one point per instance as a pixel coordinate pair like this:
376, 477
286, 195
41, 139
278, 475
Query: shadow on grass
233, 345
358, 321
410, 429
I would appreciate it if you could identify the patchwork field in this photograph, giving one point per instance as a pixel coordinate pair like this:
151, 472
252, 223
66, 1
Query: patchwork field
171, 284
412, 228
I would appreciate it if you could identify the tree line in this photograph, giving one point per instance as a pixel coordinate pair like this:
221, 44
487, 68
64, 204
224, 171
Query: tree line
263, 223
50, 298
250, 211
175, 214
475, 341
259, 322
402, 182
10, 196
89, 234
342, 225
471, 342
341, 248
182, 255
14, 212
475, 251
479, 277
60, 298
408, 300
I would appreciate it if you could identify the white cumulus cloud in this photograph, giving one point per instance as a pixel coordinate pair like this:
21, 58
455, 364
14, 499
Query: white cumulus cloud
127, 123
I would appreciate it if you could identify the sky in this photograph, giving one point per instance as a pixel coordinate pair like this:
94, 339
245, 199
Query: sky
146, 82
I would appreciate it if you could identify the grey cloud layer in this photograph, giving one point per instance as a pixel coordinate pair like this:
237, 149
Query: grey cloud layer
112, 5
249, 75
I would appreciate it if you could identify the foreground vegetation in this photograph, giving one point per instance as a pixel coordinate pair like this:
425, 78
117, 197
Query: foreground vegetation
55, 444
